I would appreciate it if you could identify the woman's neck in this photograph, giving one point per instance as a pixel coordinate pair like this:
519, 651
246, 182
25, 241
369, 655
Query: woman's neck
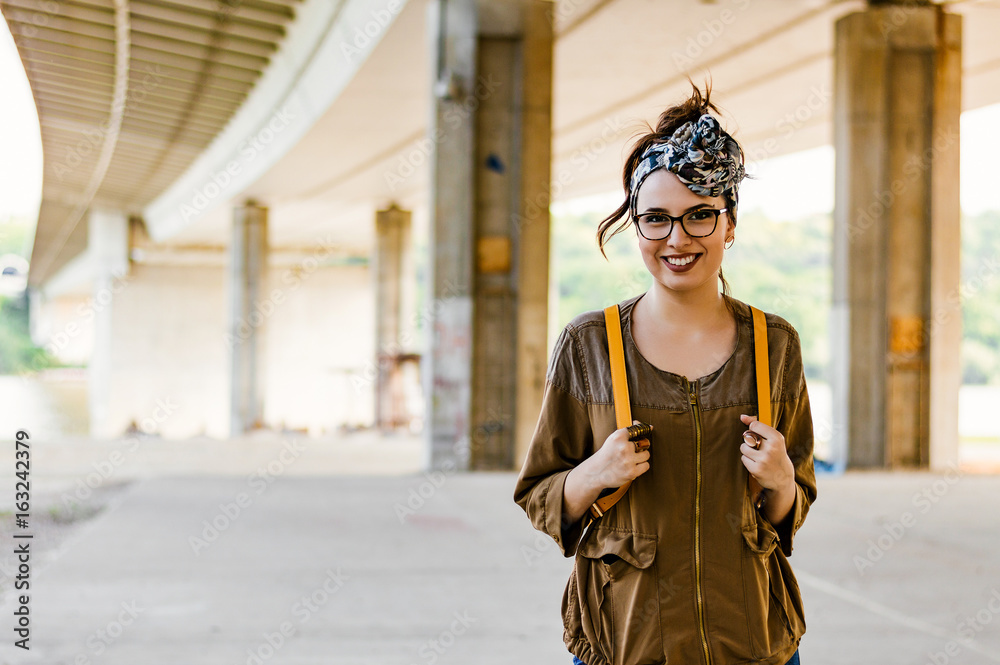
698, 309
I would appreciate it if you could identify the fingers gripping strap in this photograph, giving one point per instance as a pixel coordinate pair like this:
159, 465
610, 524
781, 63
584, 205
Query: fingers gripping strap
763, 388
619, 388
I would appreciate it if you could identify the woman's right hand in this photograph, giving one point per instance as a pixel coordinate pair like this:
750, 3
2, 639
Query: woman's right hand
617, 462
612, 465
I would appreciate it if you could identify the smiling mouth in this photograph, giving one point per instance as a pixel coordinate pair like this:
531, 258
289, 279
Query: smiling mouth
681, 260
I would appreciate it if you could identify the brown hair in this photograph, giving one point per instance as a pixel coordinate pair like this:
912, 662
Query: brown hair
673, 117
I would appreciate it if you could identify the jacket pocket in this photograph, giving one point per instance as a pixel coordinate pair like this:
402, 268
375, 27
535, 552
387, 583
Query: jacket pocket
620, 587
760, 536
773, 608
786, 593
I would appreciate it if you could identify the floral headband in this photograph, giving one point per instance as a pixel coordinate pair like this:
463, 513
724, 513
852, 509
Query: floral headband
702, 155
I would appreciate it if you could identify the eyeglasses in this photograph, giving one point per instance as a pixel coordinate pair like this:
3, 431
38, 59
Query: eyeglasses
696, 223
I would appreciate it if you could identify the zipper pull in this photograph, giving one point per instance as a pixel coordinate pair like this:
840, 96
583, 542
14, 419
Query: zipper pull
692, 393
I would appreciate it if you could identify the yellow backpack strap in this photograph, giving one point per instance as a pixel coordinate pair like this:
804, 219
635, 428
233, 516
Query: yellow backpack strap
619, 388
619, 381
763, 389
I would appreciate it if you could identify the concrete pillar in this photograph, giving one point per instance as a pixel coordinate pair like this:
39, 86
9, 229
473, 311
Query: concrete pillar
491, 127
108, 247
897, 320
247, 322
392, 231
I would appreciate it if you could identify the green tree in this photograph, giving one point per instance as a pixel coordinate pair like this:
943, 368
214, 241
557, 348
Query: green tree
17, 353
980, 294
16, 236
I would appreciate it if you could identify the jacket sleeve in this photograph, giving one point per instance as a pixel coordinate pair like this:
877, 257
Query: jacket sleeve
795, 424
562, 439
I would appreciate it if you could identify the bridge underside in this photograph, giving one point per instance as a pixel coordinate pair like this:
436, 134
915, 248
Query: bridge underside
347, 111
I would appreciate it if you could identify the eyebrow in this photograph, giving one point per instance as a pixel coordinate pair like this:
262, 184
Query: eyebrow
664, 210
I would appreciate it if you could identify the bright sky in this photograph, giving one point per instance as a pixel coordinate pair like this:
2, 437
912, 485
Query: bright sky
811, 172
785, 187
20, 142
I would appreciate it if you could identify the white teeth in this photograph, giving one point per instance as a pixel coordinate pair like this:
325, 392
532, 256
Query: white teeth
681, 262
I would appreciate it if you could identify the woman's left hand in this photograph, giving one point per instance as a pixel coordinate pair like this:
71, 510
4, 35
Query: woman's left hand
769, 462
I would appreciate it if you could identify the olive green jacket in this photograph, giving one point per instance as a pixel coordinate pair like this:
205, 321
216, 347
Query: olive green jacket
683, 569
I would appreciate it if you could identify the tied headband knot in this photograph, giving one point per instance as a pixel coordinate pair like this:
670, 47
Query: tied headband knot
701, 154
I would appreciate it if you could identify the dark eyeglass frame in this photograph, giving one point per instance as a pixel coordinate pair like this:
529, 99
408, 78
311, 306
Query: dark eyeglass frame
670, 229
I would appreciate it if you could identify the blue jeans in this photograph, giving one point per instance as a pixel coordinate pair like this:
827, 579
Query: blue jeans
794, 660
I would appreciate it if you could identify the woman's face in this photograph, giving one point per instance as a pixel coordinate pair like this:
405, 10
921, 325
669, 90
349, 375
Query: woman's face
680, 262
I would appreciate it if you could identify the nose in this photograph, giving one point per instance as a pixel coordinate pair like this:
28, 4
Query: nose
678, 234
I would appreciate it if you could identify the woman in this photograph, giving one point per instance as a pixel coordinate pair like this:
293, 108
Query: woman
684, 568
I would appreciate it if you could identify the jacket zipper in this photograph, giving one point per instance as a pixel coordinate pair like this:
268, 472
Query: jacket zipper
693, 394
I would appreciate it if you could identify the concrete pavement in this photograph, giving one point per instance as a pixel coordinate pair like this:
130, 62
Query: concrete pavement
424, 569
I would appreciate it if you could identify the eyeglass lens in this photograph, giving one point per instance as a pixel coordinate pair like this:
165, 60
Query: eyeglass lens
696, 223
